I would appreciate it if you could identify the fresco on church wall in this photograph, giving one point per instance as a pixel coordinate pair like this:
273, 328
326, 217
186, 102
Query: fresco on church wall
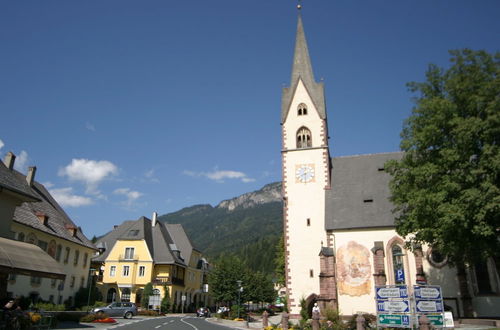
354, 269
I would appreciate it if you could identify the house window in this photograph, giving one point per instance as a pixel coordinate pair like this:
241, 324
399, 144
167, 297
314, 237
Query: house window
35, 280
77, 256
66, 255
51, 250
72, 283
126, 295
304, 138
53, 283
20, 237
302, 109
43, 245
85, 257
58, 252
11, 277
31, 239
142, 271
129, 253
112, 271
398, 264
126, 270
82, 282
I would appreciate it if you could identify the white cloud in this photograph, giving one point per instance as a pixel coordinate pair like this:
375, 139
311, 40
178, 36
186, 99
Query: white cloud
150, 175
21, 163
90, 172
90, 126
48, 184
219, 176
131, 195
1, 144
65, 197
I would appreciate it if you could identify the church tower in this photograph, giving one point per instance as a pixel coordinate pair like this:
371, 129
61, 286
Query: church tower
306, 176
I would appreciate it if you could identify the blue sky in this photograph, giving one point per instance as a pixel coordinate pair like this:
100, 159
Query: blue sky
130, 107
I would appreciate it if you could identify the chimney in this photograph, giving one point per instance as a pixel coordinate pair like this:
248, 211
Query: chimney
9, 160
30, 177
115, 226
42, 217
153, 221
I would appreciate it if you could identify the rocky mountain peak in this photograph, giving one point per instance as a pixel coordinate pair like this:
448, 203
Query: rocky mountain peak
269, 193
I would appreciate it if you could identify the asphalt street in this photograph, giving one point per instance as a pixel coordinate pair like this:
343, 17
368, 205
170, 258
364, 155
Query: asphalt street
172, 323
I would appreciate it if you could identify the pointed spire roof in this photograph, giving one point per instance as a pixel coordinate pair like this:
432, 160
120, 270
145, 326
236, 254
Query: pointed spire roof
302, 70
302, 67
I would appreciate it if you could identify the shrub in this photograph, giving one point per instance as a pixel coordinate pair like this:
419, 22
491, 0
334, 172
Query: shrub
146, 312
49, 307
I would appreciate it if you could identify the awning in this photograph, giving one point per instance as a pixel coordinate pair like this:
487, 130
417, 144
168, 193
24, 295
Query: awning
27, 259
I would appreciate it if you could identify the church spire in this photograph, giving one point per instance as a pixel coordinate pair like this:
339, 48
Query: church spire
302, 71
302, 67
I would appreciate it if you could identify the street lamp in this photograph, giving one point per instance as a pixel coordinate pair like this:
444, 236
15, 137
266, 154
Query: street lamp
240, 288
90, 281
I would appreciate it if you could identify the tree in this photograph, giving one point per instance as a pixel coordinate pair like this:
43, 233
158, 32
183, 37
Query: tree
279, 261
148, 291
446, 188
222, 280
165, 302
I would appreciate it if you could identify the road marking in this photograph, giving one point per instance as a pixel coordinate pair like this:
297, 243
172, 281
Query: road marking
158, 326
195, 328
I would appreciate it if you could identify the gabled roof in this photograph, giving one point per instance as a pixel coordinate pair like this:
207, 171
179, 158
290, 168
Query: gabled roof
15, 184
302, 70
359, 195
39, 200
161, 240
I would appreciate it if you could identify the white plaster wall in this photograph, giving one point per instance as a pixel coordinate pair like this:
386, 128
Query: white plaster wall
304, 201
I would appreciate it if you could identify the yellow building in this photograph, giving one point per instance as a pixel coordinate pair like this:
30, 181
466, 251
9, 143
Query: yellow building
42, 222
142, 251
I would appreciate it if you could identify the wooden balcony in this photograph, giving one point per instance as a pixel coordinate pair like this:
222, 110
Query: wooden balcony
162, 280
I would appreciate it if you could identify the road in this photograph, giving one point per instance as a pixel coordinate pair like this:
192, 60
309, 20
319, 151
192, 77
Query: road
170, 323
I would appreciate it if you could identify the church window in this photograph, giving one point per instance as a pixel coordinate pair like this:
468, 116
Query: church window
484, 277
398, 264
311, 273
302, 109
304, 138
436, 258
368, 200
308, 222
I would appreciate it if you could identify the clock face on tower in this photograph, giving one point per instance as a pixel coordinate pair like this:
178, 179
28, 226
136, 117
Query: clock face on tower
304, 173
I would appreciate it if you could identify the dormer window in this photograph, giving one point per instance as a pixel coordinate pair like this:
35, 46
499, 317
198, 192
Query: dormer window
304, 138
302, 110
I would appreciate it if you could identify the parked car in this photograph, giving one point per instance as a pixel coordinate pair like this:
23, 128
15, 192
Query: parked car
203, 312
125, 309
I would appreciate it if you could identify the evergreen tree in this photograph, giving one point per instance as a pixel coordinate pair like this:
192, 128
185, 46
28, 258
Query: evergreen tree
148, 291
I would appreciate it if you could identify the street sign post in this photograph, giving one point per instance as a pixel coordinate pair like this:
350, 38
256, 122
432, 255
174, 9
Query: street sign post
429, 306
393, 320
398, 306
436, 320
428, 292
429, 302
385, 292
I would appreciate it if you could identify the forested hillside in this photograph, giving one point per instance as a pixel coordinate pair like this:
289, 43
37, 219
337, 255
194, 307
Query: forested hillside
248, 226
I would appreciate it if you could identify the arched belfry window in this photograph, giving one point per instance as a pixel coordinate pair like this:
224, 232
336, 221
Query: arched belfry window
304, 138
302, 109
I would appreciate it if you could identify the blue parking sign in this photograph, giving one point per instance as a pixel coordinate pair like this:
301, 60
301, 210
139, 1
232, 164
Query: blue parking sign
400, 276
